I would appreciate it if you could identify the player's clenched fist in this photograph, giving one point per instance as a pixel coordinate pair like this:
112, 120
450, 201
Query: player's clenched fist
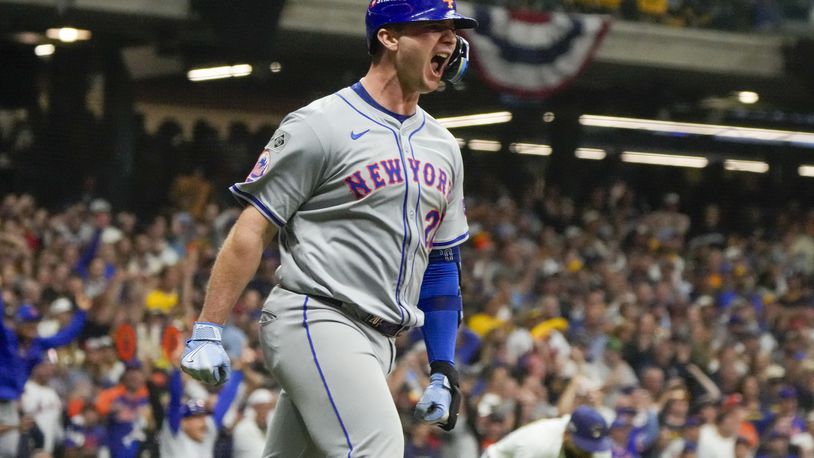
441, 400
204, 357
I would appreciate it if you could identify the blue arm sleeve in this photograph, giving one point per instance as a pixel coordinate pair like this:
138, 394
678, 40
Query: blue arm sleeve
227, 397
174, 407
66, 334
440, 300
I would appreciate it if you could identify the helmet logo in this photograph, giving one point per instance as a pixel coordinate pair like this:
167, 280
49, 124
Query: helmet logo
450, 3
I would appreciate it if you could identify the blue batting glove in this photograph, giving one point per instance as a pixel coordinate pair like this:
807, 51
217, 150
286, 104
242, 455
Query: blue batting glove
433, 407
204, 357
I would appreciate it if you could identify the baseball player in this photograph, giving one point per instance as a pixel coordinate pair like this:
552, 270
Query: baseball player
581, 434
366, 192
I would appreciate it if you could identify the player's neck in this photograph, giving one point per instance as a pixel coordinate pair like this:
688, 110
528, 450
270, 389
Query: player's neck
387, 91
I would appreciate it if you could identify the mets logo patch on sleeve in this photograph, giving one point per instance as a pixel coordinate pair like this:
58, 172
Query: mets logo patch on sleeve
260, 168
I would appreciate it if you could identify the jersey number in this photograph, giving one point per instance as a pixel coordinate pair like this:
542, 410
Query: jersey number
433, 220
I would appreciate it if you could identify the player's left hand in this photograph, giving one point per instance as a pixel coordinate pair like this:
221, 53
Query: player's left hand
433, 407
440, 402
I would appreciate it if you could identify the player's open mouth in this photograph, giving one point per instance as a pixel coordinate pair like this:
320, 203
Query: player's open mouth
437, 63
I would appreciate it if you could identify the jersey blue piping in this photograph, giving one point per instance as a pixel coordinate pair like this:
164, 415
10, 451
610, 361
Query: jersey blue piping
418, 202
322, 375
402, 309
257, 204
453, 241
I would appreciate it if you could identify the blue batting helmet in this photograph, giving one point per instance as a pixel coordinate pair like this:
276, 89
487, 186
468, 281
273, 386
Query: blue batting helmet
381, 13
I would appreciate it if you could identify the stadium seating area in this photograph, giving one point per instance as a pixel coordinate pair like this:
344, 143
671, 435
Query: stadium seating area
682, 331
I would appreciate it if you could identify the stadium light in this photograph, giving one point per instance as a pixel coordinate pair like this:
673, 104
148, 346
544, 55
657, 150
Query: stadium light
276, 67
805, 139
44, 50
737, 165
484, 145
674, 160
213, 73
593, 154
748, 97
530, 148
68, 34
806, 170
498, 117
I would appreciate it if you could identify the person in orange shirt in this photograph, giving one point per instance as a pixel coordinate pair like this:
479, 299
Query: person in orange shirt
747, 430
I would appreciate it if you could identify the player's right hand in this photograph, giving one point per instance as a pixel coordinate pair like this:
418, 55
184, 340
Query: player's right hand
204, 358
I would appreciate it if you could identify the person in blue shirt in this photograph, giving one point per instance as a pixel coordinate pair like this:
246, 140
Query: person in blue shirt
21, 348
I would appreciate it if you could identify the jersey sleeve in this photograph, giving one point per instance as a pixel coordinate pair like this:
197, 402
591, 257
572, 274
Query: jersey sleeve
454, 229
286, 173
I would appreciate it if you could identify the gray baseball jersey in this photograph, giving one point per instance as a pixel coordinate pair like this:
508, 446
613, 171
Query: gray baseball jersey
360, 199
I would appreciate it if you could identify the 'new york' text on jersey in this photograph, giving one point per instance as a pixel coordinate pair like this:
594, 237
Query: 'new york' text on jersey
360, 199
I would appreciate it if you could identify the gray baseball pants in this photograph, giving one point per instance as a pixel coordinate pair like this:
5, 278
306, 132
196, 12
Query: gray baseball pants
335, 401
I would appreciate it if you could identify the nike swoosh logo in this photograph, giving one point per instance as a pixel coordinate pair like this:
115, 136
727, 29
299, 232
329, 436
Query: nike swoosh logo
356, 136
194, 351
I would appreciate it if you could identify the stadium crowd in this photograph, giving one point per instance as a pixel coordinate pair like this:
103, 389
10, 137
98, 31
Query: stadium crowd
692, 337
729, 15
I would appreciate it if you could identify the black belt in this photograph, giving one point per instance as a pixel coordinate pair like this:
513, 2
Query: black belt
374, 321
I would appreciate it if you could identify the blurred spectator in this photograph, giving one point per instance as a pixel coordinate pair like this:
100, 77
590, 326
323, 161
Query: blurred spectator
191, 193
804, 441
125, 411
717, 440
85, 434
164, 298
190, 429
21, 349
42, 403
249, 435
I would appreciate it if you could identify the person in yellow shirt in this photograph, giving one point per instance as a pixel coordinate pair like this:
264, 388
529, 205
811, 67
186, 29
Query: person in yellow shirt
164, 297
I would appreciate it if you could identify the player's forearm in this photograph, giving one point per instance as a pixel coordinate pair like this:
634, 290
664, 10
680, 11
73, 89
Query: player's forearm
440, 300
235, 265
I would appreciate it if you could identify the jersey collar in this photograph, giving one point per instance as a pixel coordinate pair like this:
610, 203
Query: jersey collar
363, 94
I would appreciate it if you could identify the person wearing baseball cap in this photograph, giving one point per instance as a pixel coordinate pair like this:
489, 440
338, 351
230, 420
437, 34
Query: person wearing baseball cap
22, 348
124, 410
249, 435
581, 434
190, 428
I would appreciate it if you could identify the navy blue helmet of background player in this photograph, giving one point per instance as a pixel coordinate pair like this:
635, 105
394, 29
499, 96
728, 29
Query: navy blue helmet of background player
381, 13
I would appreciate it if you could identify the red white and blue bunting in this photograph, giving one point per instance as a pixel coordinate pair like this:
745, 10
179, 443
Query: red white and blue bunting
531, 54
